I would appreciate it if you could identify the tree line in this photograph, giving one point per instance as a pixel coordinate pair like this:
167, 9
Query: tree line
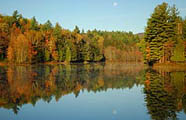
24, 40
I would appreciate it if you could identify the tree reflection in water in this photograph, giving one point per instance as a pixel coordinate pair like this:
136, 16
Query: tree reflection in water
164, 89
165, 93
21, 85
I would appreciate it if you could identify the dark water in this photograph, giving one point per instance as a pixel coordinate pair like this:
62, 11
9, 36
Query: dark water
92, 92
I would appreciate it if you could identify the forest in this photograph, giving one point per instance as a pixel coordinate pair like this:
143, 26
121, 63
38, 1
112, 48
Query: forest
26, 41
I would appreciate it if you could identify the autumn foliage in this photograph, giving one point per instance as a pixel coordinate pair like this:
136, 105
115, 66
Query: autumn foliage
25, 41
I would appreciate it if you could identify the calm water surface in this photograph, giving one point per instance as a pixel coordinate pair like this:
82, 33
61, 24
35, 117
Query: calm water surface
92, 92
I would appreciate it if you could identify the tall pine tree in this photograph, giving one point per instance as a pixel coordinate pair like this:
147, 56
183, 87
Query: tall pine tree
161, 28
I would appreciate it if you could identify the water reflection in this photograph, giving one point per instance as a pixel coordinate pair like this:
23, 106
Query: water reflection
165, 93
21, 85
164, 89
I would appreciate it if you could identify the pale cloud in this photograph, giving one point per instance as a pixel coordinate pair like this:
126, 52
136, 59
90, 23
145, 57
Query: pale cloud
115, 4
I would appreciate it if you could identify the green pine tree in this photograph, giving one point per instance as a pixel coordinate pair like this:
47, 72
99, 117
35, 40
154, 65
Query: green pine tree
161, 28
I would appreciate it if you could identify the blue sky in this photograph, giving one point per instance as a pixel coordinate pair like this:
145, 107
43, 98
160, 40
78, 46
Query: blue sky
123, 15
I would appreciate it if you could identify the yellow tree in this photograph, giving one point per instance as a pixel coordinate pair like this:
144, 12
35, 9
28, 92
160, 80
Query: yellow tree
18, 49
21, 48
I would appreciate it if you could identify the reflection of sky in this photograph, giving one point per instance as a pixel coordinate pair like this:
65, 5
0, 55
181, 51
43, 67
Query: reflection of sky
110, 105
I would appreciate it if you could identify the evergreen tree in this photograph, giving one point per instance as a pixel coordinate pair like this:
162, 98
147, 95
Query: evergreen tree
4, 40
47, 26
173, 22
160, 29
57, 31
15, 15
76, 30
59, 41
34, 24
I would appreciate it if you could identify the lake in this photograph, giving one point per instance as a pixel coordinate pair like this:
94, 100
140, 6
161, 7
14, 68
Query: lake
92, 92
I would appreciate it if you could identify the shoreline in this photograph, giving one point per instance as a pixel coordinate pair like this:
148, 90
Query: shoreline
170, 66
156, 65
67, 63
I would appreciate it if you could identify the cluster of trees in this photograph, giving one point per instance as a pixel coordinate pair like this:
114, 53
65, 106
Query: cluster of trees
26, 41
121, 47
165, 36
21, 85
